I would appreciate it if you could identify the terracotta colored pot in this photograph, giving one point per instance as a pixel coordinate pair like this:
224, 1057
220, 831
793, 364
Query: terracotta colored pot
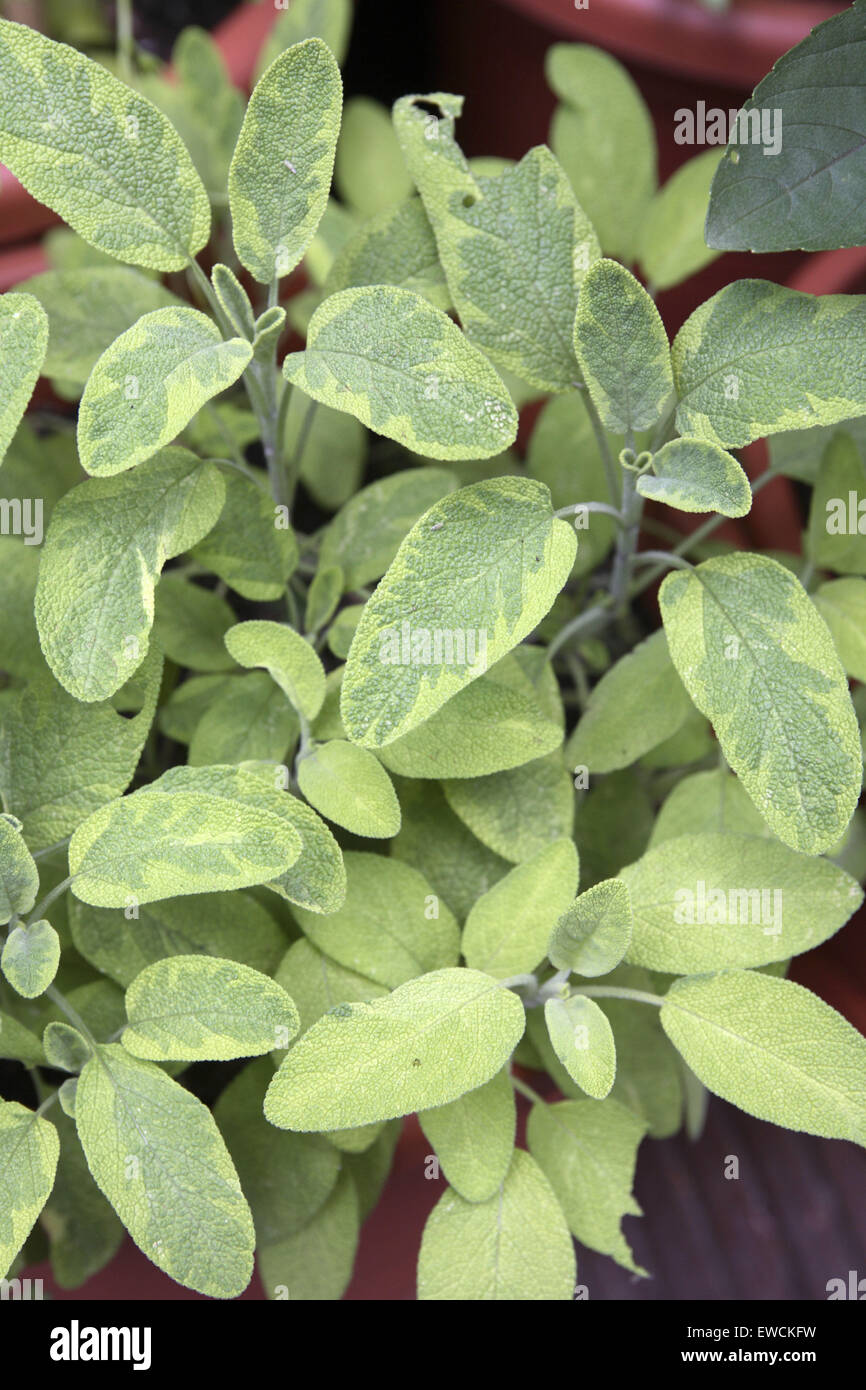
736, 46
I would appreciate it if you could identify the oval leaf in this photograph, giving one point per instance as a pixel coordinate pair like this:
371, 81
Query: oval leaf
31, 955
19, 876
107, 543
474, 1137
180, 1201
695, 476
29, 1149
196, 1008
280, 174
758, 661
291, 661
592, 936
622, 348
429, 1042
583, 1041
158, 843
348, 785
97, 153
512, 555
508, 929
772, 1048
514, 1247
150, 383
406, 371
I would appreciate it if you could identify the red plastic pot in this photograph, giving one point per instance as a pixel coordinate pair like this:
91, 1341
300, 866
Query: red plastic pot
736, 46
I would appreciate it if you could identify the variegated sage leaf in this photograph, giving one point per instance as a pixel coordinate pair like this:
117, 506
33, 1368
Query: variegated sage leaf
386, 356
280, 175
757, 359
29, 1149
758, 661
150, 383
512, 557
98, 153
514, 245
23, 343
696, 476
622, 347
105, 548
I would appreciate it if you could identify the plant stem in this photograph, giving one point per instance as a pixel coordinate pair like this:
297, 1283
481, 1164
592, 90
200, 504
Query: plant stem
632, 509
601, 440
39, 909
125, 40
575, 507
668, 558
527, 1091
586, 624
54, 994
640, 996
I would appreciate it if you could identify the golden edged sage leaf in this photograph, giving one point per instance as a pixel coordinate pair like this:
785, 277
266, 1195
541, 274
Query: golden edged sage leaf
473, 1137
106, 545
88, 309
672, 245
23, 344
60, 759
757, 358
29, 1149
637, 704
348, 785
582, 1039
696, 476
180, 1201
603, 134
401, 367
514, 243
230, 925
390, 928
396, 247
19, 876
759, 662
148, 385
716, 900
593, 934
97, 153
199, 1008
509, 927
842, 605
316, 879
513, 1247
772, 1048
512, 557
290, 660
31, 955
430, 1041
246, 548
280, 173
587, 1150
164, 842
623, 349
